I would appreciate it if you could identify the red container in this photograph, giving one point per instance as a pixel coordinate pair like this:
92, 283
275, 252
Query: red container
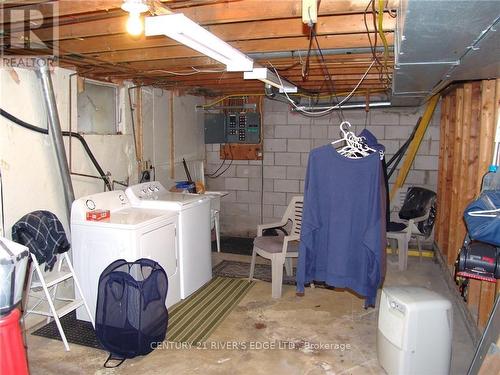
12, 353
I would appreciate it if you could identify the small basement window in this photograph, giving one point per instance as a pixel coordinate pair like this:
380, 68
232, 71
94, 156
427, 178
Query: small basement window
97, 108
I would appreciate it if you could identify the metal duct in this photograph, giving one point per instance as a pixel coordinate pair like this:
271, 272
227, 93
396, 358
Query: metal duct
55, 133
438, 42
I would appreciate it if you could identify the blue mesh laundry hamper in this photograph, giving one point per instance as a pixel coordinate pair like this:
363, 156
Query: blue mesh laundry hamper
131, 314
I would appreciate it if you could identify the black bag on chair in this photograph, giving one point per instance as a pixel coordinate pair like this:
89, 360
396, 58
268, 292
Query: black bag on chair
131, 315
417, 203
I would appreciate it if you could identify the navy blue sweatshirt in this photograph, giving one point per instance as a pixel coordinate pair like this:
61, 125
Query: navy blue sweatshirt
341, 240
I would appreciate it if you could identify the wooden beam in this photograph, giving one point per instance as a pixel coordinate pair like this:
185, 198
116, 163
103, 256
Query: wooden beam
212, 13
441, 192
172, 138
489, 109
205, 62
449, 172
93, 41
474, 292
455, 186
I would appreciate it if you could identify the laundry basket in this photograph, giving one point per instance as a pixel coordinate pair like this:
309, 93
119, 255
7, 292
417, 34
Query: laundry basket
131, 314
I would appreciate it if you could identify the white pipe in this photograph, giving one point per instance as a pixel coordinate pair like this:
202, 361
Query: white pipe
343, 106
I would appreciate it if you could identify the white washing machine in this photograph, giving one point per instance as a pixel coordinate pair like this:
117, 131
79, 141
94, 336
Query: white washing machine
130, 233
195, 252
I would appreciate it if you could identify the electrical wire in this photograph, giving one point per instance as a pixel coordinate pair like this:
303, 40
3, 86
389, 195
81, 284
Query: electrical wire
330, 80
225, 170
217, 170
305, 69
228, 97
326, 111
195, 71
78, 136
382, 34
368, 34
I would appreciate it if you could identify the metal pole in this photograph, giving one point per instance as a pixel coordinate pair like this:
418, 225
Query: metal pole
55, 133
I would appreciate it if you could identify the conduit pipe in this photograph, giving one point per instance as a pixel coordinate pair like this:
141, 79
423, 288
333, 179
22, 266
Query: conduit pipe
55, 133
303, 53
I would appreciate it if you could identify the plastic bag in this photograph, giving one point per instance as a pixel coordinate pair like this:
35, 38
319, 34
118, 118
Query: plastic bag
417, 203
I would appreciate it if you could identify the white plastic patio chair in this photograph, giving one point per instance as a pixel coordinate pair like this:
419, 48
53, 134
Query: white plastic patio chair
280, 249
404, 236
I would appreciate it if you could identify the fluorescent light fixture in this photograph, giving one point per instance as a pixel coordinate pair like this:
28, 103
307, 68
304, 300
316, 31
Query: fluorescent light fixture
182, 29
266, 76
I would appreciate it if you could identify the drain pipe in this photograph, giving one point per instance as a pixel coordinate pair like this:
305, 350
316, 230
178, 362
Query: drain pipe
55, 133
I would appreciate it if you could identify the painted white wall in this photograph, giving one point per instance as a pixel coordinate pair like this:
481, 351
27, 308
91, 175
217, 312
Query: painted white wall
30, 176
188, 134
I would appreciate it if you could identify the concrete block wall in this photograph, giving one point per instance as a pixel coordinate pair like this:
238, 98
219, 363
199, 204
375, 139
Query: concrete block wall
288, 138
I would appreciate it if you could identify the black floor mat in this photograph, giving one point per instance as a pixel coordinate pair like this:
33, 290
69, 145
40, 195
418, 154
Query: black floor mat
234, 245
77, 331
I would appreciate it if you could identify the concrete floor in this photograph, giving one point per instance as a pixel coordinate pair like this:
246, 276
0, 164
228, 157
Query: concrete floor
325, 332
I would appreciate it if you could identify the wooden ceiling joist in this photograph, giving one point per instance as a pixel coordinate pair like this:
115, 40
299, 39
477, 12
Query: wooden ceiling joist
90, 38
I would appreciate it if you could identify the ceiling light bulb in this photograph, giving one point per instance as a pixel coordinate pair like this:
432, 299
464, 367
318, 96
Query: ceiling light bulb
134, 24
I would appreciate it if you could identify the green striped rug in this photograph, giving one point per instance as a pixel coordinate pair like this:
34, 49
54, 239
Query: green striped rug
195, 318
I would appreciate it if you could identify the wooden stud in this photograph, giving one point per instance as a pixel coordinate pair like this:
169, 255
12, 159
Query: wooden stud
172, 139
138, 130
486, 303
486, 141
449, 171
474, 292
445, 103
497, 118
456, 175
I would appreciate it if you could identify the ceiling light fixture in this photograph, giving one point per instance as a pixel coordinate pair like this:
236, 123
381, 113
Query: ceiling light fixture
266, 76
135, 8
182, 29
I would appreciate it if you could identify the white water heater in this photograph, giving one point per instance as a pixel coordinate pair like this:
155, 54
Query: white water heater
414, 332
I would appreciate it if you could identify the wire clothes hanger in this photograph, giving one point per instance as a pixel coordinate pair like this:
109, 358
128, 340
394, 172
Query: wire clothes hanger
355, 147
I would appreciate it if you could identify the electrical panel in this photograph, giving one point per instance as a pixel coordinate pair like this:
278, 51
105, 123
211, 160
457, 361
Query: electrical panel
243, 127
234, 127
215, 128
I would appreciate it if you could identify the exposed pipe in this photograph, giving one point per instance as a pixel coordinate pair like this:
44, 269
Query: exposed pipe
55, 133
298, 54
70, 120
344, 106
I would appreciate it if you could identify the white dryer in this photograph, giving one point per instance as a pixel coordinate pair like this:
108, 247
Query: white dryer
195, 253
130, 233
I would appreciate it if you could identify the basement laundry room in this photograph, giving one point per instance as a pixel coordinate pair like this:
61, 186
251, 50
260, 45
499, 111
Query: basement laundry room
250, 187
